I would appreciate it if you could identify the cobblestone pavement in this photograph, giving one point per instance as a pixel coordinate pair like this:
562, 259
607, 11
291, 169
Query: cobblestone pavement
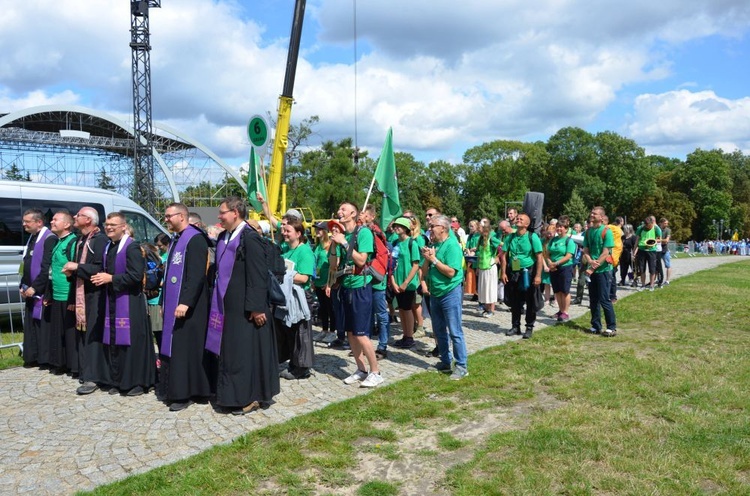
54, 442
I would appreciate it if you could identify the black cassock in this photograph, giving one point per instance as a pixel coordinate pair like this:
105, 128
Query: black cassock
133, 365
184, 375
248, 368
94, 362
36, 332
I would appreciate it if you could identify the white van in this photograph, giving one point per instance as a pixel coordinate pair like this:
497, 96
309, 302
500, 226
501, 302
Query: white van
18, 196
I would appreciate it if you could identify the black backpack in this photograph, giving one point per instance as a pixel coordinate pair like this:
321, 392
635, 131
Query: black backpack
154, 274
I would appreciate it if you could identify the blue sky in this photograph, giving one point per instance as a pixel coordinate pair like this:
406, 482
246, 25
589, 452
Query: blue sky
672, 75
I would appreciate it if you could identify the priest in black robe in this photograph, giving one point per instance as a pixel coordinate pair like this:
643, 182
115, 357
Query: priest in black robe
89, 301
240, 324
185, 365
37, 256
127, 328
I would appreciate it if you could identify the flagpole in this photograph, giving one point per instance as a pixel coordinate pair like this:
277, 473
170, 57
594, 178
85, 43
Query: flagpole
370, 190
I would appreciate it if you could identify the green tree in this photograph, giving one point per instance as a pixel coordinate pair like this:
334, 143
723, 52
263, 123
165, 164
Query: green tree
575, 208
104, 180
574, 164
487, 207
14, 173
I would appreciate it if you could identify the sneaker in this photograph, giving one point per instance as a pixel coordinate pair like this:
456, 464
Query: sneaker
557, 316
443, 367
651, 289
404, 343
488, 315
593, 331
564, 317
552, 302
419, 332
609, 333
513, 331
339, 344
527, 333
358, 376
372, 380
666, 283
459, 373
381, 354
435, 352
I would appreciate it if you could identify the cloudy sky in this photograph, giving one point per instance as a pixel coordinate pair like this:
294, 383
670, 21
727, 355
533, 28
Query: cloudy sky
671, 74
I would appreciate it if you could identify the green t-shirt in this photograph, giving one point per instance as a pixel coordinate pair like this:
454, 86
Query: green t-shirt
521, 248
392, 238
61, 254
408, 255
644, 234
472, 241
321, 266
559, 246
421, 242
486, 252
304, 261
448, 252
365, 244
594, 242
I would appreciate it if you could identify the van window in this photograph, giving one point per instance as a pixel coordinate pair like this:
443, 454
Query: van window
12, 209
144, 231
10, 222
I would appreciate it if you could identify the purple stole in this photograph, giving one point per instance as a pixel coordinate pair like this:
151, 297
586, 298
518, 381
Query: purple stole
225, 257
173, 284
122, 302
36, 268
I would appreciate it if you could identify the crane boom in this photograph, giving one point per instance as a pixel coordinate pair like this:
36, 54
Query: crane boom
277, 197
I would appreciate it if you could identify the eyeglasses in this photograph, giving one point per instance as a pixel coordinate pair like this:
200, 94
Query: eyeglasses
82, 215
169, 216
106, 224
222, 212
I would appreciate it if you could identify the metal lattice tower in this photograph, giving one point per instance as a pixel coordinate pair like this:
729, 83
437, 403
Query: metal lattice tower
143, 160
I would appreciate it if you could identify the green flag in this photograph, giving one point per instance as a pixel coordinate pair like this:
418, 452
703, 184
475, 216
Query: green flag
255, 181
385, 176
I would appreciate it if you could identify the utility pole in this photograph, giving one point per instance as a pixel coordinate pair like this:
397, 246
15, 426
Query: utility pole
143, 158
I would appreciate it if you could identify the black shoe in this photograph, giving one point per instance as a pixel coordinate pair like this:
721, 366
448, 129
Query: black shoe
527, 334
87, 388
178, 406
339, 344
136, 391
513, 331
475, 298
578, 301
294, 376
113, 391
435, 352
404, 343
381, 354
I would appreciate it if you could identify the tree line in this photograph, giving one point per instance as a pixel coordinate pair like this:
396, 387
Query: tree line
574, 169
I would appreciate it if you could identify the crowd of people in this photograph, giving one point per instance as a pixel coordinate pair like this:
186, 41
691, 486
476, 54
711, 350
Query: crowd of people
224, 313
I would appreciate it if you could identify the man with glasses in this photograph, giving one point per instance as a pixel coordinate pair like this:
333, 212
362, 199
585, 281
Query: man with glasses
127, 333
37, 255
185, 300
443, 274
241, 329
89, 301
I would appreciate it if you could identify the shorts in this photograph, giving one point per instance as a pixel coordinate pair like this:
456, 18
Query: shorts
561, 279
406, 300
647, 258
666, 259
357, 304
418, 299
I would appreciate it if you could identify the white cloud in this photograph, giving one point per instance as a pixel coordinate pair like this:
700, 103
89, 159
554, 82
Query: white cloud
442, 74
686, 120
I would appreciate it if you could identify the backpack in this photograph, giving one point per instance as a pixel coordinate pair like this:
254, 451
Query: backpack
382, 257
611, 258
154, 273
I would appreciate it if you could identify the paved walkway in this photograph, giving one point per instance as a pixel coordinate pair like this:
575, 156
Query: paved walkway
54, 442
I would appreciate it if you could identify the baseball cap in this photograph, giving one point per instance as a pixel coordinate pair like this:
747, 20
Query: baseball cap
293, 212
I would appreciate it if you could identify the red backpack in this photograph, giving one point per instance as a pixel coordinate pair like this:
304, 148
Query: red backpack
381, 259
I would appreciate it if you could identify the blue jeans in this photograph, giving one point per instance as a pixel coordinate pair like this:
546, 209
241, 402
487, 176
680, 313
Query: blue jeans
338, 312
599, 295
613, 285
382, 321
447, 326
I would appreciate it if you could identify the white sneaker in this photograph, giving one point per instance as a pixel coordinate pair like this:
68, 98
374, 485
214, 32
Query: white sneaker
356, 377
372, 380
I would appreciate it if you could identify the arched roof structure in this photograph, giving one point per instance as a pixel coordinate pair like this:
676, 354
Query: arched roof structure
79, 129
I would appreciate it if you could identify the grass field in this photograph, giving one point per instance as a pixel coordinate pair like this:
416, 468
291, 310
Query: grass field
660, 409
